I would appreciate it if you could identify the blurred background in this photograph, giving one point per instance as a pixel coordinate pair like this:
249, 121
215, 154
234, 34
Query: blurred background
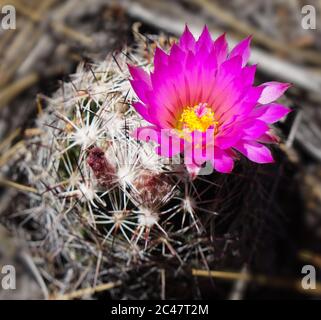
52, 37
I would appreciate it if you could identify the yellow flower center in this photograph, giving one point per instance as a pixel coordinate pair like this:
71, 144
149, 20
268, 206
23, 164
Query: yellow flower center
199, 117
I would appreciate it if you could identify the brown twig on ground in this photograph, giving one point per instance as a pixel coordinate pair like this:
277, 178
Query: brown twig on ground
263, 280
14, 89
310, 257
11, 152
8, 140
163, 283
86, 292
34, 269
72, 34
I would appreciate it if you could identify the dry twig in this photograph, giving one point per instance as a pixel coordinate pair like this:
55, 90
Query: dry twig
87, 291
262, 280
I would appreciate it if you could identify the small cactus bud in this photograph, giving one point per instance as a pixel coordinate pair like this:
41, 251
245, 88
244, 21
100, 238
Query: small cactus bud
152, 188
103, 170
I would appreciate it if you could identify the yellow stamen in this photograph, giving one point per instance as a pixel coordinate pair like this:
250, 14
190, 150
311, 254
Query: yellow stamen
199, 117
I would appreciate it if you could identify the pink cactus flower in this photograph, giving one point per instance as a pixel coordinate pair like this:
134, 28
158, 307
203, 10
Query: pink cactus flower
200, 96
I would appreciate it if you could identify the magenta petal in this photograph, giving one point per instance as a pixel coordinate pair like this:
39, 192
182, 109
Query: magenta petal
254, 151
242, 49
268, 137
191, 61
139, 74
177, 55
141, 89
271, 113
141, 82
248, 75
202, 56
211, 61
272, 91
220, 48
193, 169
255, 129
160, 58
142, 110
169, 144
148, 133
222, 161
253, 94
192, 163
229, 69
205, 40
228, 140
187, 41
